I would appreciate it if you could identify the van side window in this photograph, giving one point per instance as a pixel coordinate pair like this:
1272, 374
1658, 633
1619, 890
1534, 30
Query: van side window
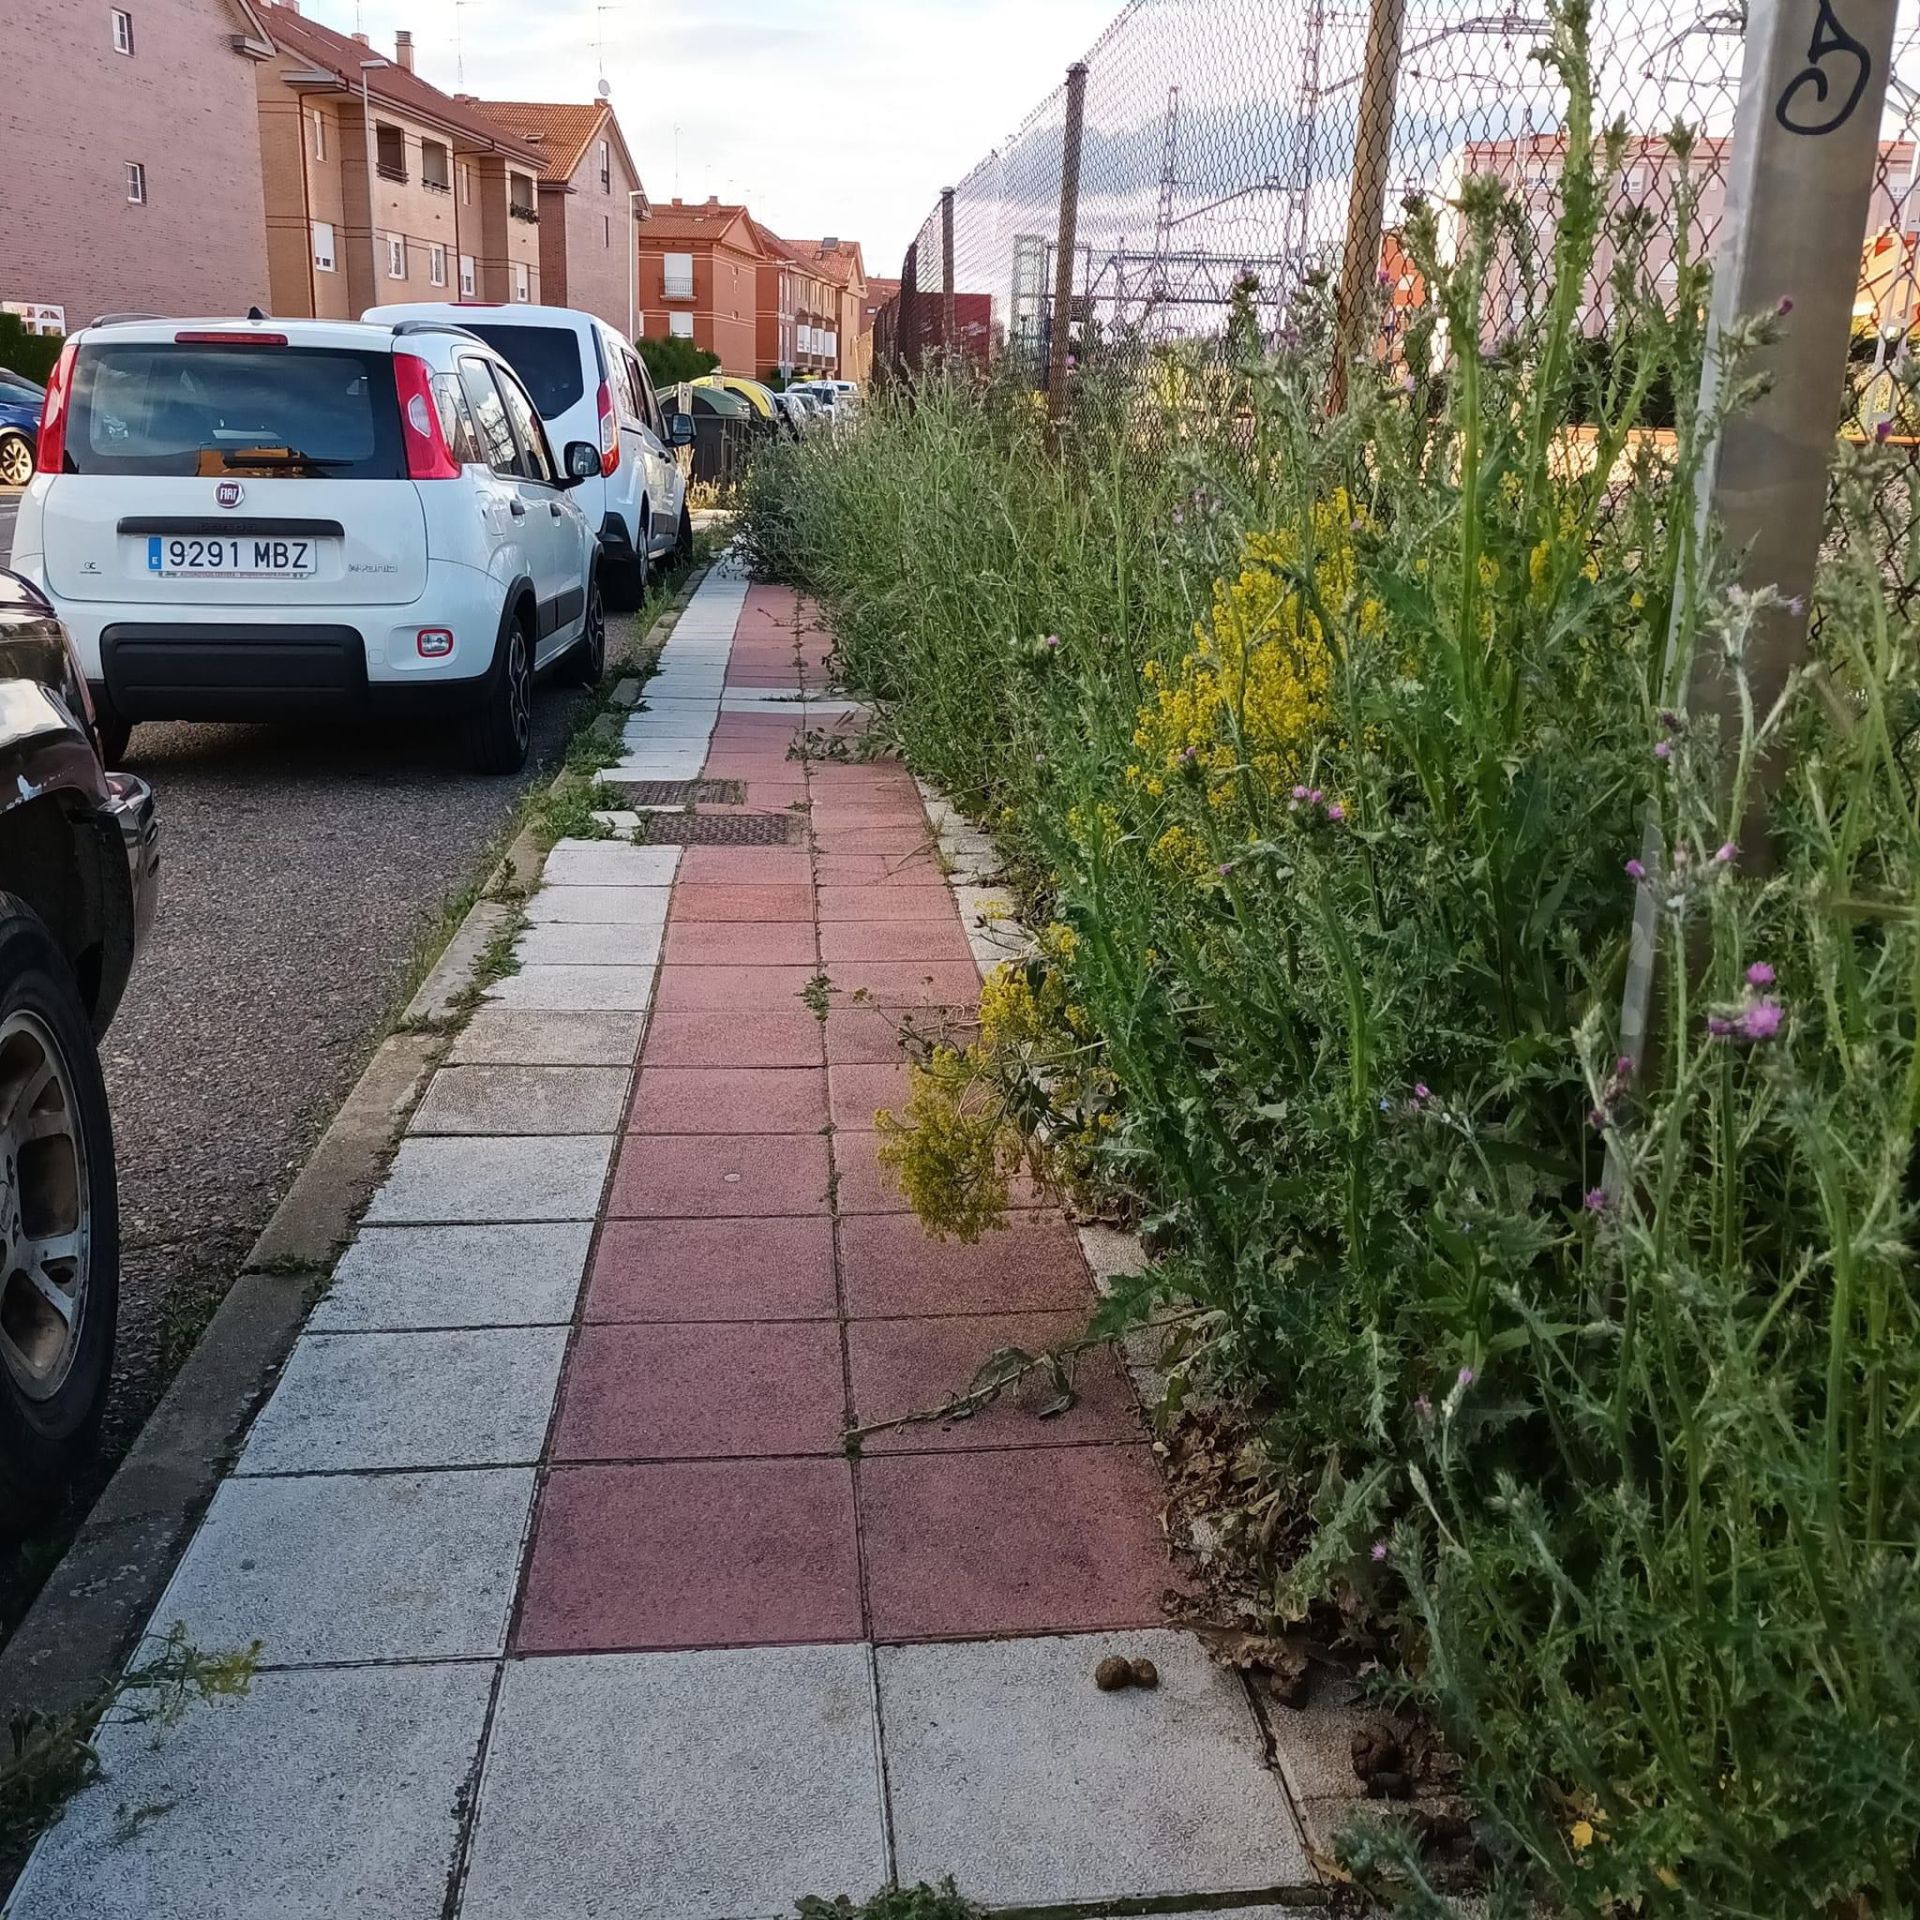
490, 417
649, 401
536, 460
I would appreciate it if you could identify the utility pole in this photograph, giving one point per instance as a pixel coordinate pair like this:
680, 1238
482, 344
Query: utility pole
1066, 247
1804, 154
1367, 202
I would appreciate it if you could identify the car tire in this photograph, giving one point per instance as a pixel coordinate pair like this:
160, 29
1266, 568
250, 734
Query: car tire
500, 729
683, 537
585, 662
112, 729
57, 1188
16, 459
626, 578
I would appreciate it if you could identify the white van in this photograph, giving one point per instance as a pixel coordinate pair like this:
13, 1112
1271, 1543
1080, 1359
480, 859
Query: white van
589, 384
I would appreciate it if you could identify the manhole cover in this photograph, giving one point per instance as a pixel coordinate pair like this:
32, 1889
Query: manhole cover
682, 793
723, 829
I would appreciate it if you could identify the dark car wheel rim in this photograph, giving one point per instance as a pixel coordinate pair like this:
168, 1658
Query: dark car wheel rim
16, 461
45, 1231
519, 690
597, 630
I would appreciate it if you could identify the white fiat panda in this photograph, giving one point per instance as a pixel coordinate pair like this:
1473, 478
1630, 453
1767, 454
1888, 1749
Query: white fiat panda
260, 519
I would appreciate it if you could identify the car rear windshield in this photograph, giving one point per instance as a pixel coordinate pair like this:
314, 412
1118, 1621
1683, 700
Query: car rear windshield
167, 408
547, 359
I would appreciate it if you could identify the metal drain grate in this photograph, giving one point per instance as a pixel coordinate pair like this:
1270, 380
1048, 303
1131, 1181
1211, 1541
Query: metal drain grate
682, 793
723, 829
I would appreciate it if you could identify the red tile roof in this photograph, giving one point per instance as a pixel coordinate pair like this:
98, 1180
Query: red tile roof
561, 131
703, 220
836, 263
393, 86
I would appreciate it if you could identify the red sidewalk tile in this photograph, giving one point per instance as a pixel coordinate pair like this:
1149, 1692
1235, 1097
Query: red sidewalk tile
724, 943
867, 1036
730, 1100
892, 843
706, 1176
750, 989
909, 983
910, 902
856, 1093
740, 903
862, 1185
864, 940
908, 1366
725, 1553
733, 1039
746, 866
1057, 1540
687, 1270
890, 1264
703, 1392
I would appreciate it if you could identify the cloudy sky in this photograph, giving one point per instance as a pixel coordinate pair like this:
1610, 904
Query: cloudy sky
826, 116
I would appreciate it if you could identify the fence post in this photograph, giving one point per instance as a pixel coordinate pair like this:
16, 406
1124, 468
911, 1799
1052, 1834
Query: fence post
946, 269
1367, 201
1065, 248
907, 348
1800, 183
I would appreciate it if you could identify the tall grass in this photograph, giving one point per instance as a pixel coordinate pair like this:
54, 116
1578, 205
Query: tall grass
1325, 747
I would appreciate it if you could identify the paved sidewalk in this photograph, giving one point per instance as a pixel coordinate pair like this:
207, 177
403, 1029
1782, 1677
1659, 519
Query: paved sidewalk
573, 1603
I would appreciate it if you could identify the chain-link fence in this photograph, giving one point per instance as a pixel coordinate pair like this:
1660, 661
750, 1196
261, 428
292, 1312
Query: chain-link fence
1250, 143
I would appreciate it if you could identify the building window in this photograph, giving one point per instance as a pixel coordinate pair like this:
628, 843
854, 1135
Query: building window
136, 184
317, 122
323, 258
466, 185
606, 168
122, 30
606, 230
436, 166
390, 152
436, 265
522, 285
466, 276
680, 325
679, 271
396, 256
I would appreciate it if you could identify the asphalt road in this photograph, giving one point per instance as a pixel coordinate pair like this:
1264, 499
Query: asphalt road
300, 871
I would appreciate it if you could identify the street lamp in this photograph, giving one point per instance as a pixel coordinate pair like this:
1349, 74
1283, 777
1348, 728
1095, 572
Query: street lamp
366, 148
633, 264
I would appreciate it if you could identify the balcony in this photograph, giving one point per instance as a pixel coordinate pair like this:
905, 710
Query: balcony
531, 215
387, 170
679, 289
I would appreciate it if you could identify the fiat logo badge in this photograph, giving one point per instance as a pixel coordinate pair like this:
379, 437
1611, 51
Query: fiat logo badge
229, 493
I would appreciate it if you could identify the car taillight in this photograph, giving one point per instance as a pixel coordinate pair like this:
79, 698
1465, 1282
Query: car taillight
51, 454
428, 455
609, 433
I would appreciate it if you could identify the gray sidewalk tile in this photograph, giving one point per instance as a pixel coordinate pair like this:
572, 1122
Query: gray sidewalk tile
471, 1182
600, 906
606, 863
1009, 1770
332, 1795
581, 989
394, 1279
514, 1037
357, 1402
689, 1786
393, 1566
523, 1100
590, 943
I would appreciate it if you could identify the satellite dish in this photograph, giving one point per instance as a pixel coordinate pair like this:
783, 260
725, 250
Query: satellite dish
604, 91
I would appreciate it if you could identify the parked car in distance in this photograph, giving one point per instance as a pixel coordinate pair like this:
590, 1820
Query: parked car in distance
79, 874
20, 402
253, 519
789, 410
589, 384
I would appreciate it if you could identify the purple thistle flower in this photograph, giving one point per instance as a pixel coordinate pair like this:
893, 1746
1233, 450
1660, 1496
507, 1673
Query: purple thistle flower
1379, 1551
1421, 1091
1719, 1025
1299, 793
1052, 640
1315, 796
1785, 307
1797, 605
1466, 1377
1759, 974
1883, 431
1636, 870
1423, 1406
1727, 855
1336, 813
1225, 867
1664, 750
1598, 1201
1763, 1020
1624, 1066
1669, 719
1597, 1119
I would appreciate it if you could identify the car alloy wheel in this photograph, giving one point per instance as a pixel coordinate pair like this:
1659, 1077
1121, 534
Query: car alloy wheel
596, 628
45, 1232
16, 460
520, 687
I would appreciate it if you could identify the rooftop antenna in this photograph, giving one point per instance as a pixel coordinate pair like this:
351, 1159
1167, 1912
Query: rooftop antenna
600, 39
676, 160
459, 46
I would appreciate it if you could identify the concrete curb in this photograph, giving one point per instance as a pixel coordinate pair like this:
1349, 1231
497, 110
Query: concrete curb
84, 1622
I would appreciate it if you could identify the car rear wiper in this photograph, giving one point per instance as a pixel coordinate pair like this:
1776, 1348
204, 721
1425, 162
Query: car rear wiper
272, 459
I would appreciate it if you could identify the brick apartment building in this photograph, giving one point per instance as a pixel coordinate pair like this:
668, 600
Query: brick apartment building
588, 210
797, 330
379, 187
700, 279
131, 177
840, 264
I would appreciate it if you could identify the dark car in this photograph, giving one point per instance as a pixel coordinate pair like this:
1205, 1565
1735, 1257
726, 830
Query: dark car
20, 404
79, 868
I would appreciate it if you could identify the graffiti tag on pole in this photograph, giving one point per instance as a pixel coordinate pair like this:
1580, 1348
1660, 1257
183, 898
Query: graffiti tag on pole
1821, 97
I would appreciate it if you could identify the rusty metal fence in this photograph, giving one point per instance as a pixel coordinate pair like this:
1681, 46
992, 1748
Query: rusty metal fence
1259, 144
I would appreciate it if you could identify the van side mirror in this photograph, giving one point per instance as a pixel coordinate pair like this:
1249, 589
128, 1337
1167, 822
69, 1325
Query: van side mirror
583, 461
679, 429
